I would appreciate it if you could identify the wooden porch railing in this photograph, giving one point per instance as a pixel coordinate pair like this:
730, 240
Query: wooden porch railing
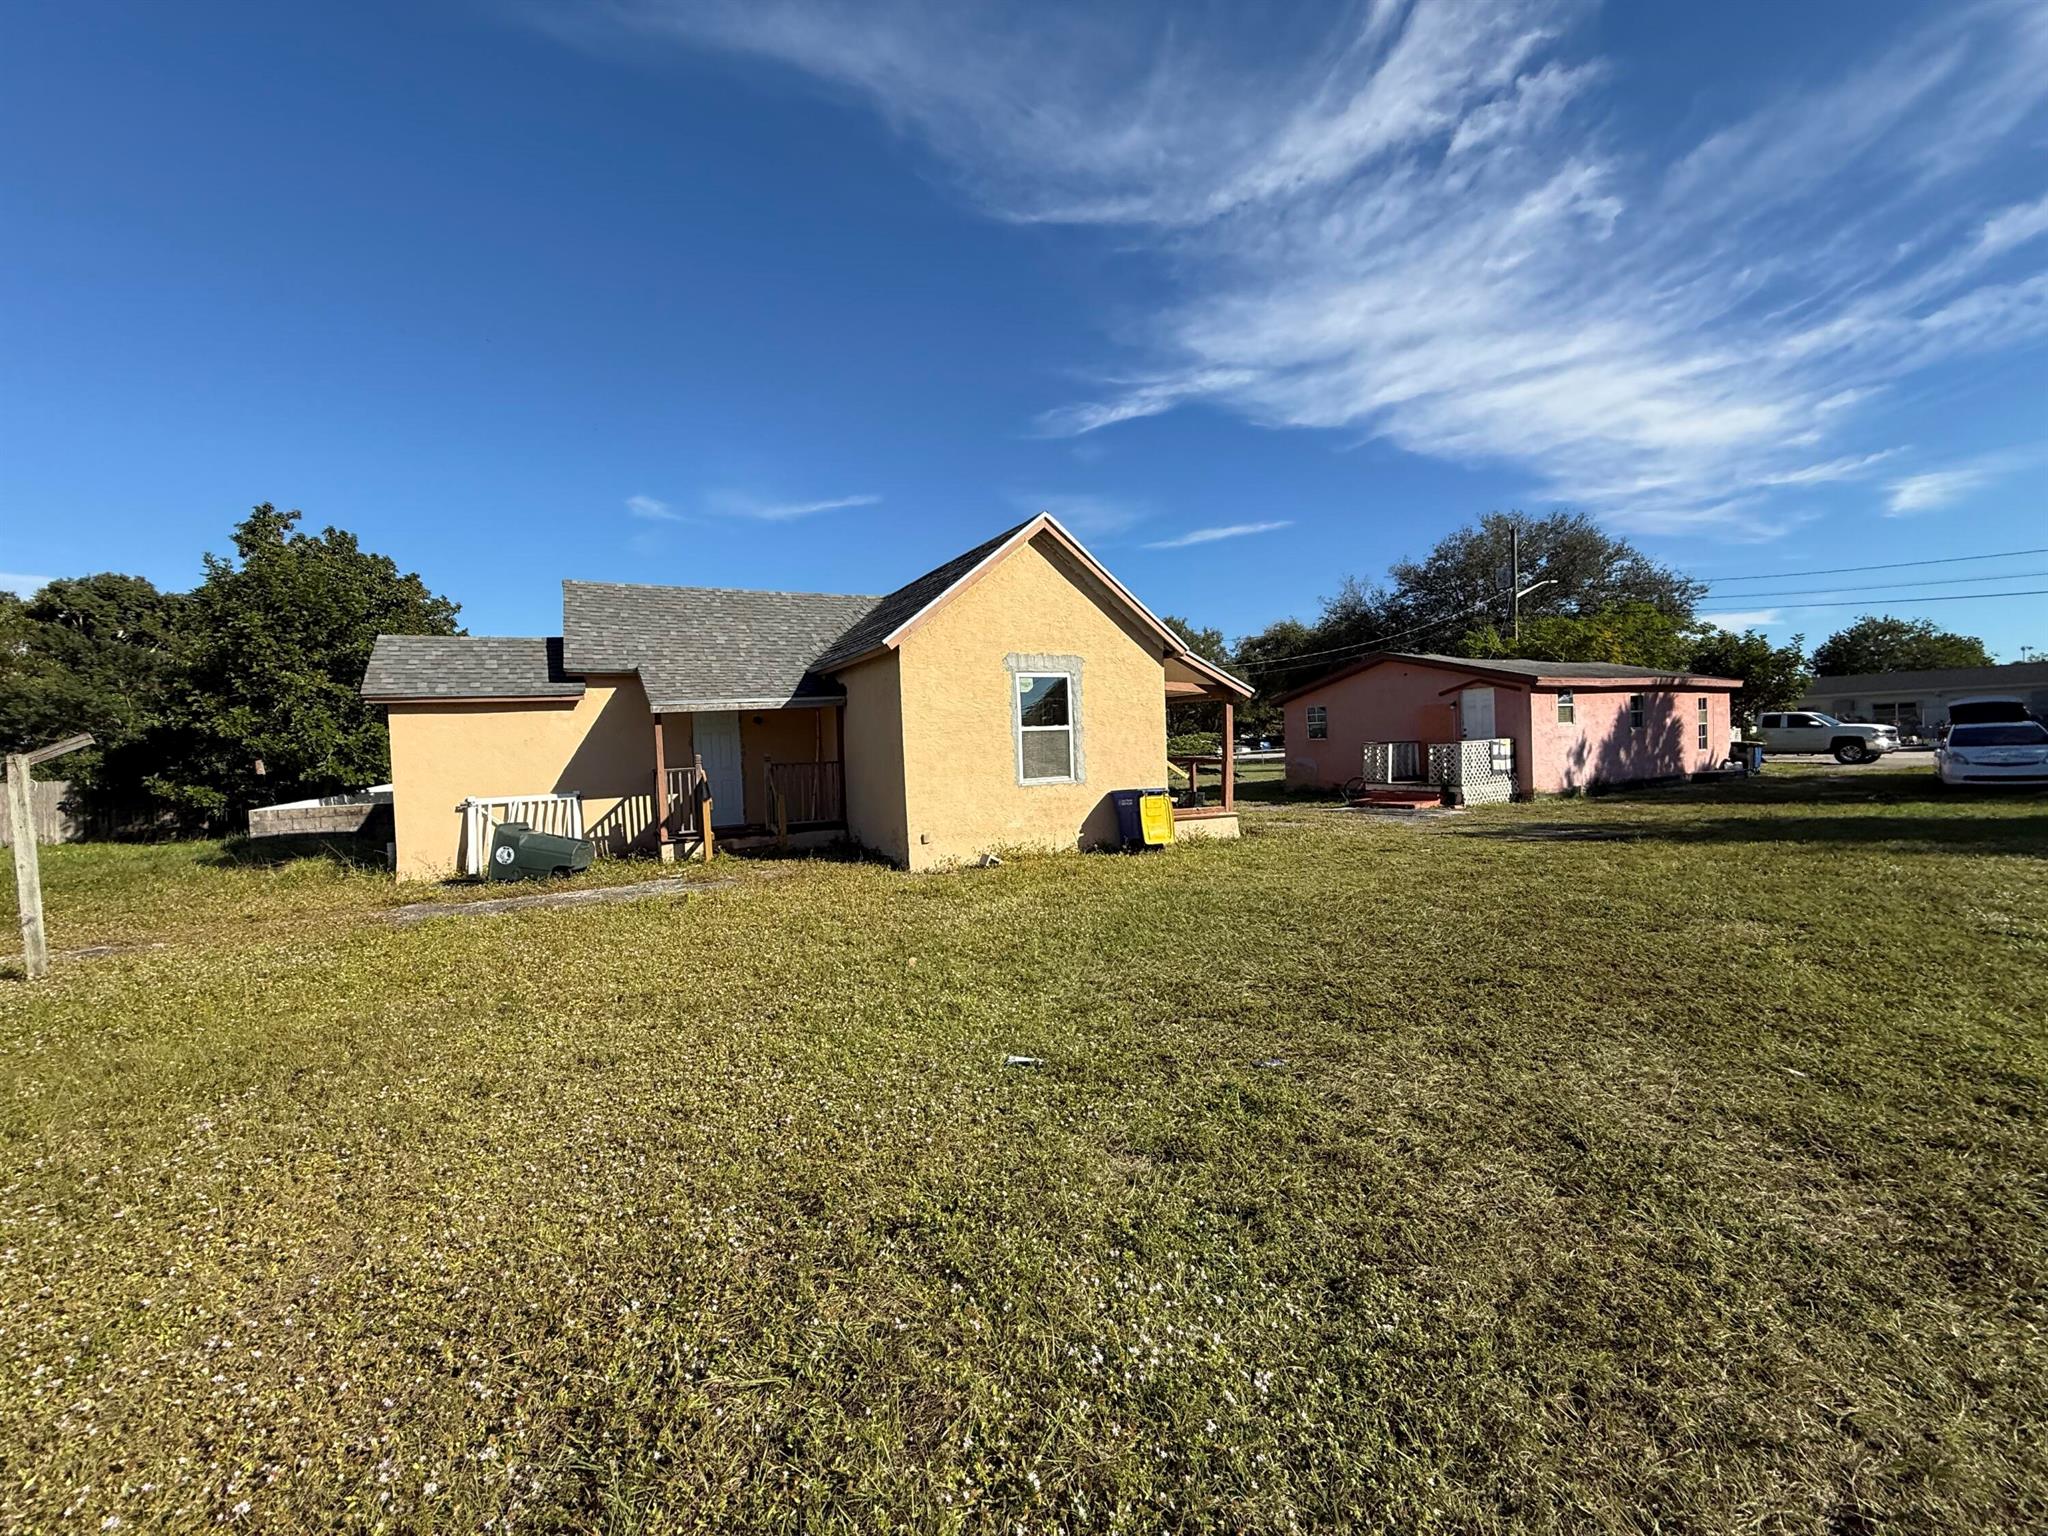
1189, 797
805, 792
683, 793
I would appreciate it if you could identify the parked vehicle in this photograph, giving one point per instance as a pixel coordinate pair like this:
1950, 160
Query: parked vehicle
1987, 710
1808, 730
2006, 752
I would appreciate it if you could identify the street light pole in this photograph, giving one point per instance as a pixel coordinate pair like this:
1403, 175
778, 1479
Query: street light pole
1515, 583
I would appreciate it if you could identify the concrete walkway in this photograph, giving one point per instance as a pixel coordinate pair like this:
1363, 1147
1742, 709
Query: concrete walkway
422, 911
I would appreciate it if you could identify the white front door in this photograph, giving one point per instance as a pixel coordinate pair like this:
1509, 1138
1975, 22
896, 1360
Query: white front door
715, 737
1475, 714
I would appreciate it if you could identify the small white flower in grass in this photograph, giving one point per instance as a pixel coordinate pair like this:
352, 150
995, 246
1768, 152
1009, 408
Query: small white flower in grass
241, 1509
111, 1523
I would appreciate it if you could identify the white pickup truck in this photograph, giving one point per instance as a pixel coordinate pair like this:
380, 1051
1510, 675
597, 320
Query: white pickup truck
1808, 730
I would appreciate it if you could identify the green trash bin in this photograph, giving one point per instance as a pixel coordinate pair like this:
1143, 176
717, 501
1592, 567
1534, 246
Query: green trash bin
520, 853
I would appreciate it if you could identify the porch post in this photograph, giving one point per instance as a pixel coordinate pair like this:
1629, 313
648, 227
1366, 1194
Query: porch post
703, 808
1229, 755
661, 843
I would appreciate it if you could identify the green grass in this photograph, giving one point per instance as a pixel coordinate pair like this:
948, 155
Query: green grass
1661, 1162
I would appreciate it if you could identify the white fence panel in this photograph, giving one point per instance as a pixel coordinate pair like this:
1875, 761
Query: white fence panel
559, 814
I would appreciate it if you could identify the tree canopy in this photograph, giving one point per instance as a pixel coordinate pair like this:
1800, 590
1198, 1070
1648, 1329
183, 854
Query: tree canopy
186, 693
1886, 644
1593, 593
1773, 676
90, 653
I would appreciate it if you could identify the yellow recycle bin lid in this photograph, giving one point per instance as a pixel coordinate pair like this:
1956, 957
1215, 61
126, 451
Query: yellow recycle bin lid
1155, 819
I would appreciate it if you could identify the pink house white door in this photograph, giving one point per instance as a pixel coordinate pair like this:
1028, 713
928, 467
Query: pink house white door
1475, 714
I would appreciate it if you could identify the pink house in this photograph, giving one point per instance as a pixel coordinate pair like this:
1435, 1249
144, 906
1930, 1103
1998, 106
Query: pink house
1575, 724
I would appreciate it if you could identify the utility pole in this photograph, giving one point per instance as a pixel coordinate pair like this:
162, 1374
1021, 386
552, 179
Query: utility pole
1515, 585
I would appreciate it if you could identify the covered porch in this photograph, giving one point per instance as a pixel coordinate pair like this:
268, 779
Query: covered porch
746, 778
1205, 805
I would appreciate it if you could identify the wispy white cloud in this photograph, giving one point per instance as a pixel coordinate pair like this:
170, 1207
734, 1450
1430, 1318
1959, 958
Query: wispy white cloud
1933, 490
1414, 220
651, 510
1211, 535
762, 509
23, 586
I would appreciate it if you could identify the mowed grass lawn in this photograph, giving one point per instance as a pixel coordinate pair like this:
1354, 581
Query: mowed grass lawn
1664, 1162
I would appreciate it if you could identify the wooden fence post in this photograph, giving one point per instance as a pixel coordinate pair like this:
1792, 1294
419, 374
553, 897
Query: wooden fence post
28, 881
28, 872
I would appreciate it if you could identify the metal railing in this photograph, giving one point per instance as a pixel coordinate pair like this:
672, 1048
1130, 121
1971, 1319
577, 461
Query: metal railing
805, 792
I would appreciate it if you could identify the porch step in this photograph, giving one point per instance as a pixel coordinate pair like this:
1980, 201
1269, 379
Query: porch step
1400, 797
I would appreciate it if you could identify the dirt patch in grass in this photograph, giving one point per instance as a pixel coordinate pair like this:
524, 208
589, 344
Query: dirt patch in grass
1369, 1182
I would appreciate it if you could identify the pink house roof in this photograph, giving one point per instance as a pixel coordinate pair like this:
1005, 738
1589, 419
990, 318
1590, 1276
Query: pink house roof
1518, 673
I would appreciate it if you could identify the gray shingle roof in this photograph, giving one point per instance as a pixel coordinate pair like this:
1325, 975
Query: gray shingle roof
2015, 674
467, 667
887, 614
1516, 667
1508, 666
707, 647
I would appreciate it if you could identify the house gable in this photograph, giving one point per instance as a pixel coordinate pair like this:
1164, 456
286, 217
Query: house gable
1036, 611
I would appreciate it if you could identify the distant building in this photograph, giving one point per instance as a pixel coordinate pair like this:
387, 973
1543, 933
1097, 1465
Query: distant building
1574, 724
1917, 702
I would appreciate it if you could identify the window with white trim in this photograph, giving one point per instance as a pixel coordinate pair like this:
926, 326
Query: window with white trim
1045, 728
1635, 711
1701, 716
1319, 722
1567, 709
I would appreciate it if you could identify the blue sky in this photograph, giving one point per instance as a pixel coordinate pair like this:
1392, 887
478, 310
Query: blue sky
813, 295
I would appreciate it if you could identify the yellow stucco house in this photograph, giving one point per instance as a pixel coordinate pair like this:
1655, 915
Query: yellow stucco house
994, 702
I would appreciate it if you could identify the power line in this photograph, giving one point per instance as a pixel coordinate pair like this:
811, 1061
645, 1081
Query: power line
1952, 581
1377, 641
1844, 570
1886, 602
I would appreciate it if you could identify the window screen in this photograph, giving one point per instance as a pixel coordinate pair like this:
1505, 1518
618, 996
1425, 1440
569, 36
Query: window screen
1045, 726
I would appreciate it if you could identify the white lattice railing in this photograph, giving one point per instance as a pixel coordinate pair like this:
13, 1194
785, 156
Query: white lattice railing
559, 814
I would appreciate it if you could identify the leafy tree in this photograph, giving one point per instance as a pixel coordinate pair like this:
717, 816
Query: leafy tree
270, 663
1896, 645
95, 654
1598, 584
1628, 635
1582, 569
1265, 660
1773, 676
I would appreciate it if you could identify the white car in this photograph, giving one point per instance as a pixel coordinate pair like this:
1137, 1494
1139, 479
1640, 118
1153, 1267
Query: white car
1808, 730
2011, 752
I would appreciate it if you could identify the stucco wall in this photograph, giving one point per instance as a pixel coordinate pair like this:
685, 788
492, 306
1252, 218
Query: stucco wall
961, 792
600, 746
1394, 701
1599, 746
876, 816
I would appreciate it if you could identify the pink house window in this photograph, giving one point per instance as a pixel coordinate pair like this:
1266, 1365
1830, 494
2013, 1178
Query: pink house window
1635, 711
1566, 709
1318, 722
1701, 716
